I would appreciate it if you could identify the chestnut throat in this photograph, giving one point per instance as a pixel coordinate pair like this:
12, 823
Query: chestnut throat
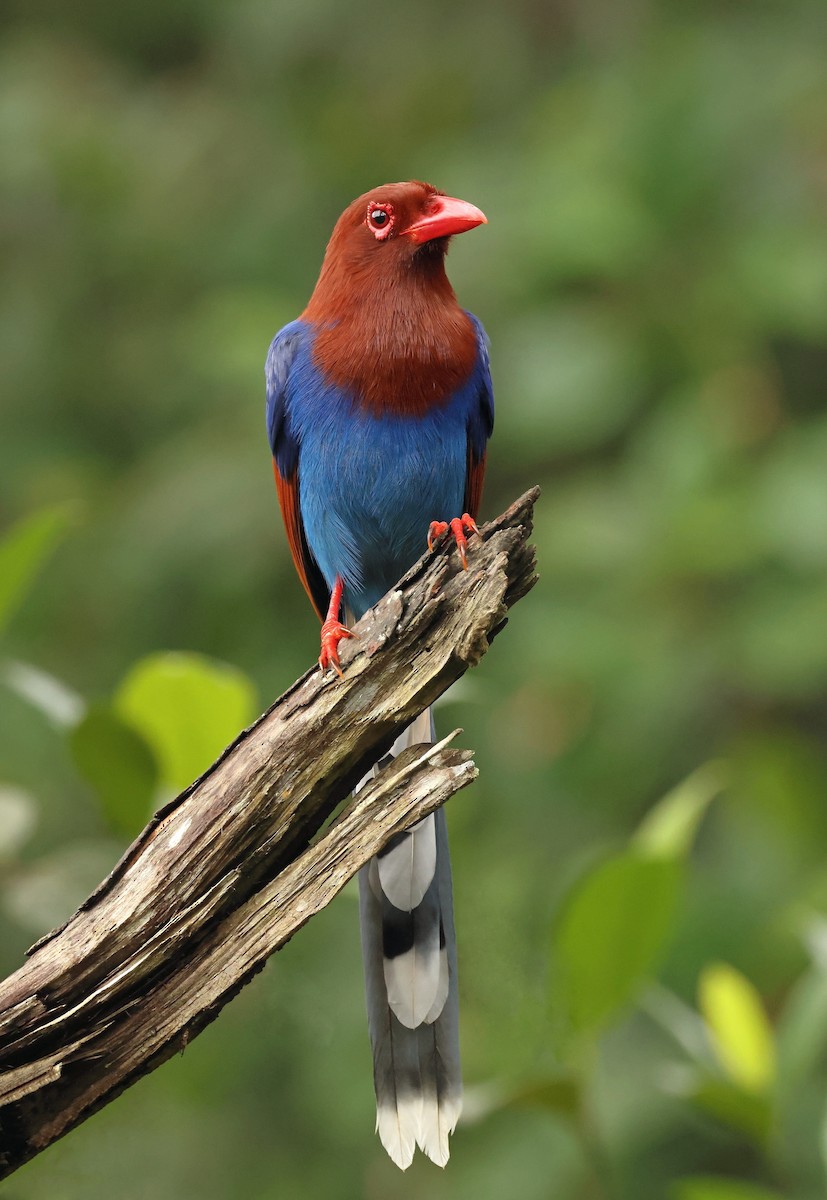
395, 339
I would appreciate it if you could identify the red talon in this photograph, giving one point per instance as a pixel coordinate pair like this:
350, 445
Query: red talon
457, 526
436, 530
333, 631
332, 634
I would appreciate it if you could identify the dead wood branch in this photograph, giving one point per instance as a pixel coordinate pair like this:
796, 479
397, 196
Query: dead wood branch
226, 873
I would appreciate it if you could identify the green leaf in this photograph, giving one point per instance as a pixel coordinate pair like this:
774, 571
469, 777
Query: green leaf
45, 692
23, 550
18, 818
120, 766
610, 934
802, 1033
680, 1021
748, 1112
740, 1031
188, 708
668, 830
718, 1188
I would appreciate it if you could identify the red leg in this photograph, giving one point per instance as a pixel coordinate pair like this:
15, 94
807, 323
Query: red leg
457, 526
333, 631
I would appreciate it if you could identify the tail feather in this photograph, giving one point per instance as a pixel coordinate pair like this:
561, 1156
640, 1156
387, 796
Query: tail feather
396, 1070
439, 1040
441, 1094
410, 945
406, 865
409, 952
443, 984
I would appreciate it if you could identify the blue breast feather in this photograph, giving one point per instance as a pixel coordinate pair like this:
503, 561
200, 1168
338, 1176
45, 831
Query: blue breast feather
369, 485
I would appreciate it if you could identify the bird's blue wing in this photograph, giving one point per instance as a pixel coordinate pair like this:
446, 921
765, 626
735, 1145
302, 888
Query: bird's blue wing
285, 448
480, 423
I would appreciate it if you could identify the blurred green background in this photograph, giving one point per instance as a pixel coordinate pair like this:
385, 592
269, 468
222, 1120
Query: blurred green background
640, 872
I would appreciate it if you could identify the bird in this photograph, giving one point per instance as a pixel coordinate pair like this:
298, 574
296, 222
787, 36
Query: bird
379, 407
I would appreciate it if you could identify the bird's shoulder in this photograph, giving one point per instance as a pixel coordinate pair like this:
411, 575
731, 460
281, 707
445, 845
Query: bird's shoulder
285, 350
481, 389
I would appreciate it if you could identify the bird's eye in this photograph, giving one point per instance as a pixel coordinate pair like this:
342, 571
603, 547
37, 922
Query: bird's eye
380, 220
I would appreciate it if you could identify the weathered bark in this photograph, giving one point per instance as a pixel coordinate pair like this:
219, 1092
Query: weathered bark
226, 873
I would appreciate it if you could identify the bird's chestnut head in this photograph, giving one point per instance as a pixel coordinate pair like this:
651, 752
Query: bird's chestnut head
402, 221
414, 211
388, 241
387, 322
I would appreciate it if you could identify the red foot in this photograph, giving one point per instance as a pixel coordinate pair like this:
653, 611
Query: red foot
333, 631
457, 526
332, 634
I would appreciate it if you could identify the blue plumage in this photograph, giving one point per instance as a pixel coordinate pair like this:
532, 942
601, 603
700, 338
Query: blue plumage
369, 485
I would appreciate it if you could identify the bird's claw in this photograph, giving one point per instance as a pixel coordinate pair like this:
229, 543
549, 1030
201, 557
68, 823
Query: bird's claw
457, 527
333, 632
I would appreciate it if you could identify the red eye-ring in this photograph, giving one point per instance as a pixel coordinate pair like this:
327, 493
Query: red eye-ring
380, 220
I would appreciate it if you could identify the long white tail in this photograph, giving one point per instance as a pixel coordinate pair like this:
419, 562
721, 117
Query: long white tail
409, 951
